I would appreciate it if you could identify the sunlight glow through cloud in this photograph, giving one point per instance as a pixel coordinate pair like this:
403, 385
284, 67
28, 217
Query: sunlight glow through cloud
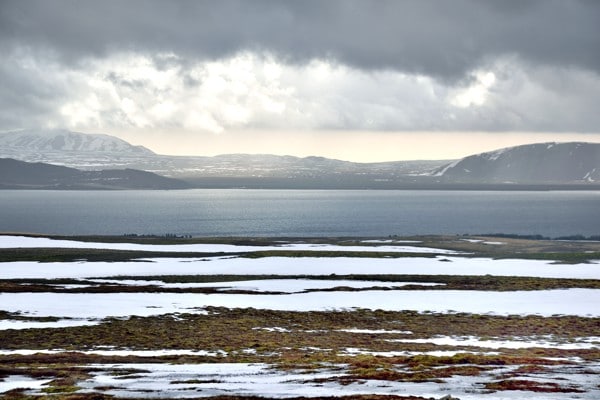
476, 93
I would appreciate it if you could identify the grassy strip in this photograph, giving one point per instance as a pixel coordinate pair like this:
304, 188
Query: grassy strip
335, 254
232, 330
71, 255
97, 255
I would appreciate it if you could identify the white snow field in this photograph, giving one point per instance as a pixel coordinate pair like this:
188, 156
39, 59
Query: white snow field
7, 241
24, 382
86, 307
440, 265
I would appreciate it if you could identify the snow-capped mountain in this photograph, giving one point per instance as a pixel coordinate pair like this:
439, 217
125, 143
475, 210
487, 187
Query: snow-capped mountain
62, 140
575, 162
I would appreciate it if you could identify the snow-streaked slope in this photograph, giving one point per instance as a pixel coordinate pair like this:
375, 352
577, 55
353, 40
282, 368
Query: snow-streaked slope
576, 162
42, 140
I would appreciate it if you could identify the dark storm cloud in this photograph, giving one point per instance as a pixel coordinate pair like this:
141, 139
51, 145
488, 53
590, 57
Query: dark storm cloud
28, 94
445, 39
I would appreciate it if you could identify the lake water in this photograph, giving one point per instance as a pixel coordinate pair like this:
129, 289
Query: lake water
231, 212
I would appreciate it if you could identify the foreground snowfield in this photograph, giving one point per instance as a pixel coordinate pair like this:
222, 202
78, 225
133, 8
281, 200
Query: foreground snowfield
259, 380
204, 380
184, 379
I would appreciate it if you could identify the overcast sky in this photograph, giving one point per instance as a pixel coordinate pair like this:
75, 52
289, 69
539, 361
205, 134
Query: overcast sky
358, 80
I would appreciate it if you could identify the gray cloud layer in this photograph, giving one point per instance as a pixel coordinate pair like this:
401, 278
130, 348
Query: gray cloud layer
440, 38
544, 54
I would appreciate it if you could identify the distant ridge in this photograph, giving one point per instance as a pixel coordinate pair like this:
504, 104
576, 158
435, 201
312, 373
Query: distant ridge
15, 174
539, 166
549, 163
93, 152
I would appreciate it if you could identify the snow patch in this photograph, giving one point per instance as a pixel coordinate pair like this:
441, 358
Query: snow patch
63, 323
447, 167
12, 382
121, 353
301, 266
591, 342
273, 329
390, 241
269, 285
41, 242
94, 306
376, 331
351, 351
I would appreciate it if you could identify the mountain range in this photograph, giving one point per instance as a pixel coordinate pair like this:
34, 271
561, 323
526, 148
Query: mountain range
93, 151
537, 164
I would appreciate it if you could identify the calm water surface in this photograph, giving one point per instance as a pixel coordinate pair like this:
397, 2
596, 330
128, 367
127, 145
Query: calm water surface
299, 212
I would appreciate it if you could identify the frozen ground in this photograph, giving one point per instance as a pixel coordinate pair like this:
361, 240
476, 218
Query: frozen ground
441, 265
202, 380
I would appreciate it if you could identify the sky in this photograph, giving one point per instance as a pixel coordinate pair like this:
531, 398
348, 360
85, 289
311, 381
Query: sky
356, 80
